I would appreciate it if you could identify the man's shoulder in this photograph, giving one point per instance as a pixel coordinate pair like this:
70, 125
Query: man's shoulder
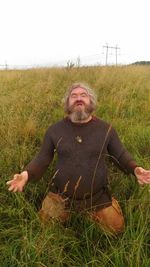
101, 122
57, 125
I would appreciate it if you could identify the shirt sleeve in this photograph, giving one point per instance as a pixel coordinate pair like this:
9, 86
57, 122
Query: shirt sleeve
120, 156
40, 163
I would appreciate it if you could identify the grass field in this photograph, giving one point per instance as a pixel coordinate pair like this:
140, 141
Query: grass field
30, 100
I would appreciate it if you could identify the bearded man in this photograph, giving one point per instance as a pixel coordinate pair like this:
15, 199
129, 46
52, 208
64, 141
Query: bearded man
82, 143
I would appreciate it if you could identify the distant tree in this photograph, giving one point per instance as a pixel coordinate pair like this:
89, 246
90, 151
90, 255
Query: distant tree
141, 63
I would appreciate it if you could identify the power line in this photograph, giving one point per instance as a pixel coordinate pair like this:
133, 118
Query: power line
107, 50
80, 60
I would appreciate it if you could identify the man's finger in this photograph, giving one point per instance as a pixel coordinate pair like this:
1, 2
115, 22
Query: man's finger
140, 182
15, 189
16, 176
11, 188
9, 182
146, 181
143, 181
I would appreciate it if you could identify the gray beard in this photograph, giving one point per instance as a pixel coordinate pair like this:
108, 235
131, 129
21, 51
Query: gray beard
80, 115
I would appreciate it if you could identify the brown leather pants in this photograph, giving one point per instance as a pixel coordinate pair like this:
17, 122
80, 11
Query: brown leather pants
110, 218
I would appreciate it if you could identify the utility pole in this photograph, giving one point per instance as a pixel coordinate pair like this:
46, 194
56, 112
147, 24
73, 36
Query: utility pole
106, 46
107, 50
6, 66
116, 48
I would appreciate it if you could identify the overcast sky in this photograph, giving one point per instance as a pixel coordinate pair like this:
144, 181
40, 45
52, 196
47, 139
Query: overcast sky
36, 32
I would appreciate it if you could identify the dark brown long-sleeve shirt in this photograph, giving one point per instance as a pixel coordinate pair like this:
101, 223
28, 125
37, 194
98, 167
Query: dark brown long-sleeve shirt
82, 148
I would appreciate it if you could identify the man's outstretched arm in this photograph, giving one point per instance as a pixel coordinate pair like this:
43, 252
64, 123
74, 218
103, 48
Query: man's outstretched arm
36, 168
125, 161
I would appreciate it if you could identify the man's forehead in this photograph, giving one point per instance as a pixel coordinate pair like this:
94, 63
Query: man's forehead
78, 90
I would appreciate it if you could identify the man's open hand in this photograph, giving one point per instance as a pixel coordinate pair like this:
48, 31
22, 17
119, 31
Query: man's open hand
18, 182
143, 176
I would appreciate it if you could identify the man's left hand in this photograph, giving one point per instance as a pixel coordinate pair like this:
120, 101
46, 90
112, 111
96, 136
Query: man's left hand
143, 176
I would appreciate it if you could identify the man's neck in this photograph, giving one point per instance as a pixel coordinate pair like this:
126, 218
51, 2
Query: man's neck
82, 121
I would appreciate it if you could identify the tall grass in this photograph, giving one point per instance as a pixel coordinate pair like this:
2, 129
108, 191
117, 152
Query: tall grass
30, 100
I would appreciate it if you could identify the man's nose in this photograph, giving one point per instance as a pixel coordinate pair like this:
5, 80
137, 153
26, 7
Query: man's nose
79, 97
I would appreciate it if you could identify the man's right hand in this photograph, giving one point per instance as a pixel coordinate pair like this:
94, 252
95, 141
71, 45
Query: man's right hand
18, 182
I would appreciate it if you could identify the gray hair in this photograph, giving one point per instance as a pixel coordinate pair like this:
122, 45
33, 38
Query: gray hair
91, 93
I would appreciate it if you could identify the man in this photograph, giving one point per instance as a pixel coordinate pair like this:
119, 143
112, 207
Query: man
82, 143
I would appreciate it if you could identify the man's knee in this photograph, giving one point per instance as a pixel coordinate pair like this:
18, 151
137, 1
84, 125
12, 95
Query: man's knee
110, 218
53, 207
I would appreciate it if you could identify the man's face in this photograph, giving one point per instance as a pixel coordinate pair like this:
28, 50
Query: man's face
79, 105
78, 99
